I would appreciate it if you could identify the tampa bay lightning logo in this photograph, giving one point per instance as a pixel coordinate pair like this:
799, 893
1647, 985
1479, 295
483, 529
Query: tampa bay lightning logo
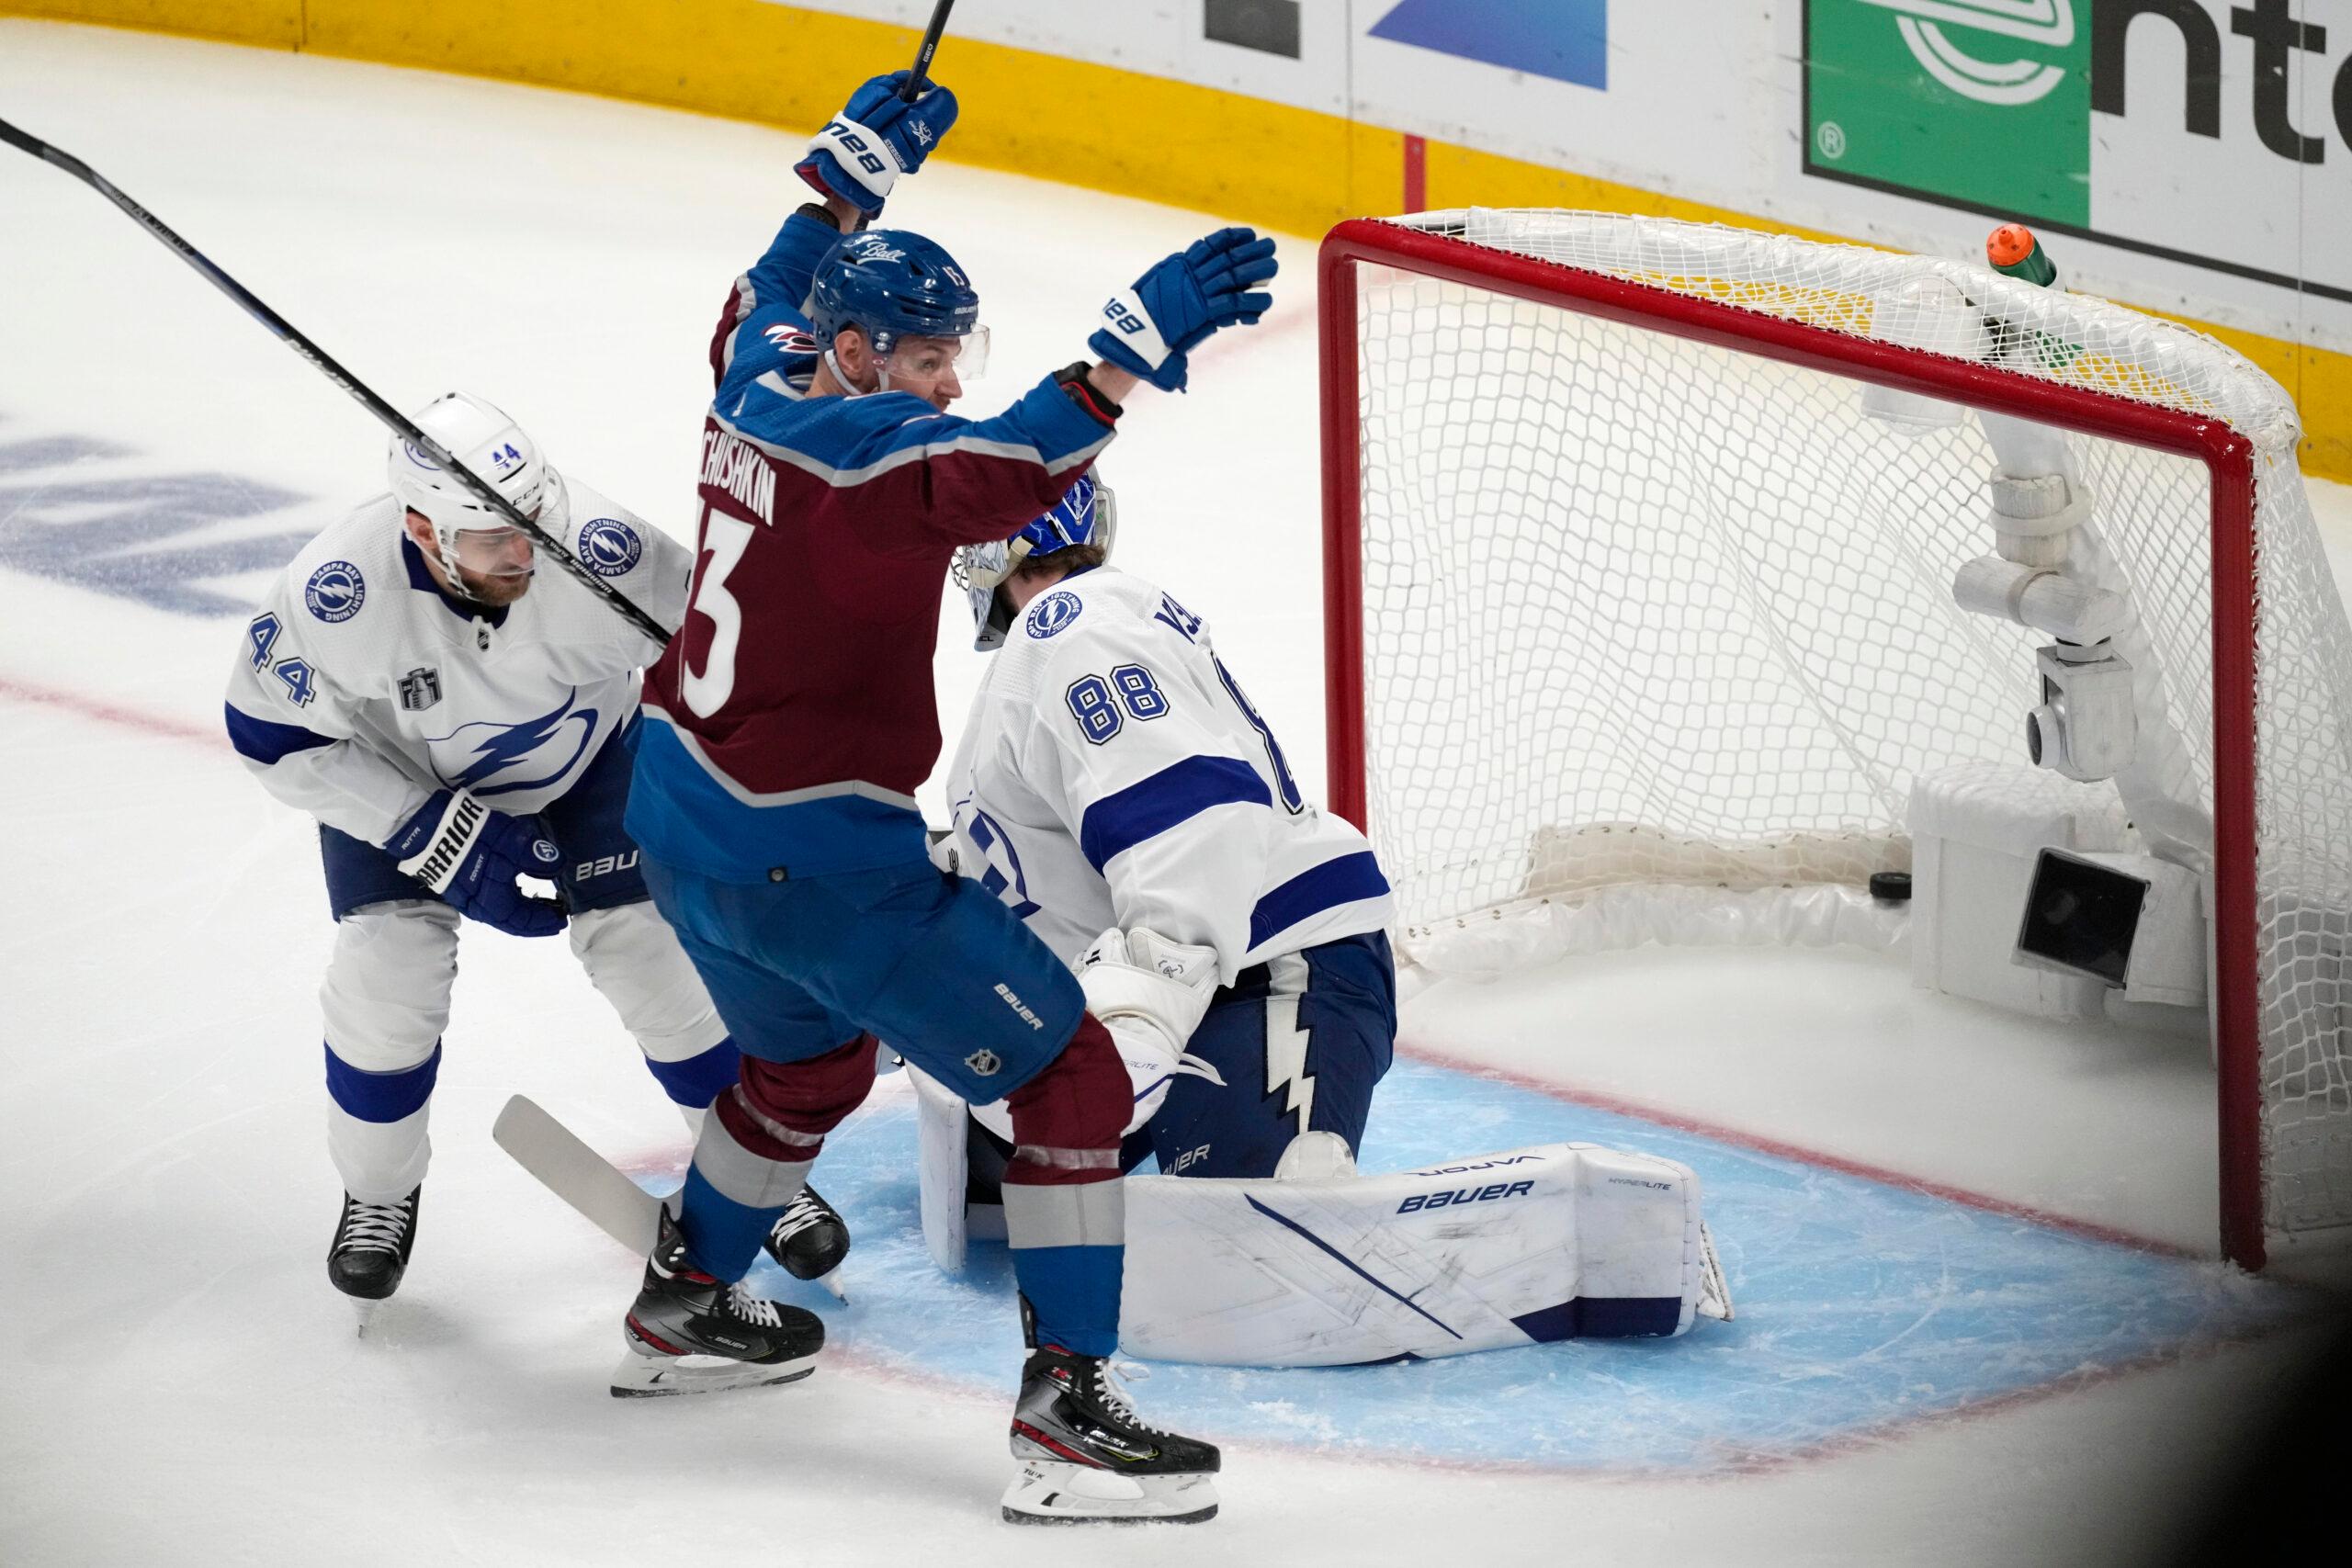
544, 850
609, 546
546, 746
336, 591
1054, 612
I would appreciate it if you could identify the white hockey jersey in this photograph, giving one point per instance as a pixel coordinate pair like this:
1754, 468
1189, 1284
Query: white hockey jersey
361, 688
1111, 773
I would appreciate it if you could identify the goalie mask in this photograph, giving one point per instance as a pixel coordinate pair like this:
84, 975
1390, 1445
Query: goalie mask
470, 537
1087, 514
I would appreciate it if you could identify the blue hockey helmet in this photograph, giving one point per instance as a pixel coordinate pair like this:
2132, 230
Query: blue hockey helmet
889, 284
1088, 514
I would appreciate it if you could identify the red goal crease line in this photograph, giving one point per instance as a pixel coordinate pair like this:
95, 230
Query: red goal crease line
1758, 1143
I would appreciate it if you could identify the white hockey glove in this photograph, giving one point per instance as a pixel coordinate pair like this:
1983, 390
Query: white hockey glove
1150, 993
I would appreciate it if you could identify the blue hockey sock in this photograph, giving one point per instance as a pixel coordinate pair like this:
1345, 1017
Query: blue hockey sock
1074, 1291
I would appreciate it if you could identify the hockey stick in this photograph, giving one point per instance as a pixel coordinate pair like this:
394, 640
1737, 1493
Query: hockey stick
919, 77
392, 418
591, 1184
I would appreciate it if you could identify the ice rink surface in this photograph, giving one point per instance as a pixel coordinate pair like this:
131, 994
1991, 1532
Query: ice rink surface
1979, 1323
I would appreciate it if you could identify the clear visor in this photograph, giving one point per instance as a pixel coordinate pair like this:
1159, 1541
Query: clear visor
933, 358
494, 552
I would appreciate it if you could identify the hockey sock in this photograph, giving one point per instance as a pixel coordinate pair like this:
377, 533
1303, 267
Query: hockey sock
1065, 1211
755, 1150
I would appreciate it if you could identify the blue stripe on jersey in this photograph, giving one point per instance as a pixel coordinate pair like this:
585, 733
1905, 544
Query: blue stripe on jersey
1346, 880
1174, 795
268, 743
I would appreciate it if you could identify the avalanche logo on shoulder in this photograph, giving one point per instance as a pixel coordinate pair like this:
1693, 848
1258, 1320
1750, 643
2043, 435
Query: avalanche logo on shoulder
1054, 612
609, 546
789, 339
336, 591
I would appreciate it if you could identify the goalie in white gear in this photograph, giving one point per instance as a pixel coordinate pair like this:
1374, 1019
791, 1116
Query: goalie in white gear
454, 722
1118, 791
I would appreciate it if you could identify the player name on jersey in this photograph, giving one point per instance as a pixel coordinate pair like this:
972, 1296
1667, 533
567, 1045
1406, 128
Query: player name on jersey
732, 463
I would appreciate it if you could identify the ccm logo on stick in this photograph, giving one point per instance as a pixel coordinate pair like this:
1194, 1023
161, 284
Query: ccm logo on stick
1466, 1195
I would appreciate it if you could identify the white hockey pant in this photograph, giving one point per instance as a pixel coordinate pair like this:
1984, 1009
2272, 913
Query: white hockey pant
386, 1000
633, 958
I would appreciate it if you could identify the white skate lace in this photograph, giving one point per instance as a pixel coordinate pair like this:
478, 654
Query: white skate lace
1111, 1387
374, 1227
798, 1215
752, 1309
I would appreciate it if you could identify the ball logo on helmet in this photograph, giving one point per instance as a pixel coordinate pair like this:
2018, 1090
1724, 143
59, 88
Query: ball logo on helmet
336, 591
609, 546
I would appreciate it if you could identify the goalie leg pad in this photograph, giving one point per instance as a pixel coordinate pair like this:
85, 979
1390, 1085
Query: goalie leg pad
1527, 1245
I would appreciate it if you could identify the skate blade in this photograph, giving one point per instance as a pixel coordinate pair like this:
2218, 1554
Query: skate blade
366, 1308
653, 1377
832, 1283
1050, 1491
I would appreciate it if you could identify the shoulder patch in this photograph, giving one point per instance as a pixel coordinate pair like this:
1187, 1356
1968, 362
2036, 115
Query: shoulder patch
785, 338
1053, 612
336, 591
609, 547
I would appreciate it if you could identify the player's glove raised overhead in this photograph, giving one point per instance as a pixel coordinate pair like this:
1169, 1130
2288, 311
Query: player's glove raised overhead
1148, 328
863, 149
471, 855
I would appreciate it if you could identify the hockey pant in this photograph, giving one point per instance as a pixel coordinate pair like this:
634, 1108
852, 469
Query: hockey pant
1301, 1040
386, 1001
810, 971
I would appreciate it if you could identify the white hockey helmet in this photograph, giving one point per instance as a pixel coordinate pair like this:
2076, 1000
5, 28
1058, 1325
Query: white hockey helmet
478, 435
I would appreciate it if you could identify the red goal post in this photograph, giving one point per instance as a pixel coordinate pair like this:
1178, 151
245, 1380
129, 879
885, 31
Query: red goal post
1683, 305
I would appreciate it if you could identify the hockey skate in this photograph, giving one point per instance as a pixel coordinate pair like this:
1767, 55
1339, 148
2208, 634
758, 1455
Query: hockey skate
809, 1240
1086, 1459
689, 1332
370, 1249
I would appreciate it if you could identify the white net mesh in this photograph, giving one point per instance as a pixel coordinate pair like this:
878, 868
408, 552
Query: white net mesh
1642, 610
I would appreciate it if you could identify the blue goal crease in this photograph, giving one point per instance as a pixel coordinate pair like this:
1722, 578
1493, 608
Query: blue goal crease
1861, 1307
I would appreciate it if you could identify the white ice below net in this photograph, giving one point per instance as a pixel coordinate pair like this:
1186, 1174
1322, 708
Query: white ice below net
1657, 634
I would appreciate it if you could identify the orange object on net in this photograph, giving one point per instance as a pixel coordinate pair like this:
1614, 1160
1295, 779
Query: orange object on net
2008, 245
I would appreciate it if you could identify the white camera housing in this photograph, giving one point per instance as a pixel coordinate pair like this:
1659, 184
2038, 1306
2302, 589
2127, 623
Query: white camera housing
2086, 727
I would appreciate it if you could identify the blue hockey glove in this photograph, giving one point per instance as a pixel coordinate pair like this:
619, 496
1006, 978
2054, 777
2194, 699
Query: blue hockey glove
1178, 303
471, 855
863, 150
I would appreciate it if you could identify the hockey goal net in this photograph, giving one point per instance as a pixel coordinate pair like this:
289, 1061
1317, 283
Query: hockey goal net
1641, 544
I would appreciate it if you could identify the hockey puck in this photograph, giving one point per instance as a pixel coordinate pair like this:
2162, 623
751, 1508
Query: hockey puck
1893, 887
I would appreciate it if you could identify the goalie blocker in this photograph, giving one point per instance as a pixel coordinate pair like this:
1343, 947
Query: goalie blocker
1558, 1241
